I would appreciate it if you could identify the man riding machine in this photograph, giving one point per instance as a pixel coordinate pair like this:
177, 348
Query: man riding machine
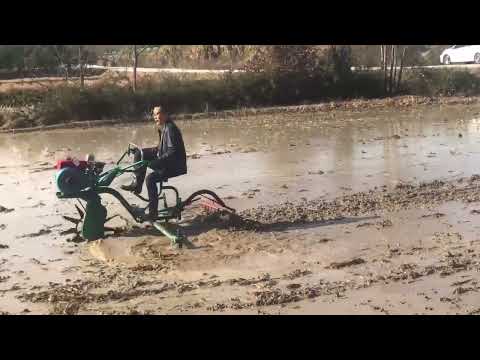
85, 180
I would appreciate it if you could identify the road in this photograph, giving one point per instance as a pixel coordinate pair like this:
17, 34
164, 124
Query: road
453, 66
161, 70
207, 71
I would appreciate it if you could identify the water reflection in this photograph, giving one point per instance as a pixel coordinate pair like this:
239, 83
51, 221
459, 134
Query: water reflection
356, 149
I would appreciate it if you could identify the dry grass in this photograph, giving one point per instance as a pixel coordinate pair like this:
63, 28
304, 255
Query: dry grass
110, 96
121, 79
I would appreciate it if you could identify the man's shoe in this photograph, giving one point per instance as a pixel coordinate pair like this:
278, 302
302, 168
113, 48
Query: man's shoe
133, 187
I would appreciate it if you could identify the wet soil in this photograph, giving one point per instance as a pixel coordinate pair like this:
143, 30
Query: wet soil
372, 212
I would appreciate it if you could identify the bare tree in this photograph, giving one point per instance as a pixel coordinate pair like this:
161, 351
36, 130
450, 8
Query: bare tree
136, 51
395, 64
80, 65
392, 65
401, 67
63, 56
232, 54
84, 56
207, 51
384, 64
389, 66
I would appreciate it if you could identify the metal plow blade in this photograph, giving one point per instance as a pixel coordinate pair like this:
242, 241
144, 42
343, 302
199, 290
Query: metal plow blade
211, 206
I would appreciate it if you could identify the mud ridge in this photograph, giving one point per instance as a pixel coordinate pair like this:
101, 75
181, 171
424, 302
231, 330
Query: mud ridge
403, 197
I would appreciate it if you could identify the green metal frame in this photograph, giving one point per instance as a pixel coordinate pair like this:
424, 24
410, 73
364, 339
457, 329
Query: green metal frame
100, 185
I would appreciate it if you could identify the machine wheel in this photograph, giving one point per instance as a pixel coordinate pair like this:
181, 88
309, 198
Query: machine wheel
446, 60
70, 180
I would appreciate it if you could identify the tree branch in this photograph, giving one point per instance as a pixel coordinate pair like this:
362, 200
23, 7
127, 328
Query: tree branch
142, 49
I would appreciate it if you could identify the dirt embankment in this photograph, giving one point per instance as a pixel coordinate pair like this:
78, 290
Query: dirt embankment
400, 102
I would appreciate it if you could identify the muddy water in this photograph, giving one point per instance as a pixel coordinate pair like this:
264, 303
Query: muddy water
249, 161
286, 157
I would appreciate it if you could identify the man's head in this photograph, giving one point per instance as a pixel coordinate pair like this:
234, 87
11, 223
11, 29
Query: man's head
159, 116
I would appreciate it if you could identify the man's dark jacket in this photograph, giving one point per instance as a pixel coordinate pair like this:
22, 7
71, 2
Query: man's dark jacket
171, 151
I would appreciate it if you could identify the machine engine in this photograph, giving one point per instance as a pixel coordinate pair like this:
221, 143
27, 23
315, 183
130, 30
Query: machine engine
74, 176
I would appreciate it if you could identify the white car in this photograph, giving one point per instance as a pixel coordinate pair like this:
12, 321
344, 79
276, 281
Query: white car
461, 54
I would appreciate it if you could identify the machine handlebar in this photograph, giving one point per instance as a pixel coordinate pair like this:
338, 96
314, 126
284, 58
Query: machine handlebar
131, 150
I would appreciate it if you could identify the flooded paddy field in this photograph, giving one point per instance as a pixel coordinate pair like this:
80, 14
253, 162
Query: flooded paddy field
367, 212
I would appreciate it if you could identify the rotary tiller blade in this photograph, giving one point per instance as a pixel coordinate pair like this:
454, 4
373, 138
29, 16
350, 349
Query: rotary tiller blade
69, 231
80, 211
72, 220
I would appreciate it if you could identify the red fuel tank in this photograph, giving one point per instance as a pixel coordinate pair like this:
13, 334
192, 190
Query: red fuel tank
82, 165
